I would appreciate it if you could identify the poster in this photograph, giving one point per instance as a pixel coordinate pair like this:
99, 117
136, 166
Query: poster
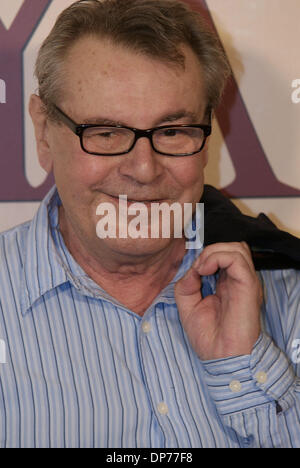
254, 152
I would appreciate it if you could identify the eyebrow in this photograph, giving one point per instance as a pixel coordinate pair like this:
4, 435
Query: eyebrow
181, 114
102, 121
164, 119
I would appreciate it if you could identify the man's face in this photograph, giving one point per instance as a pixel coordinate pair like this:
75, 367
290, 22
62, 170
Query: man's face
106, 83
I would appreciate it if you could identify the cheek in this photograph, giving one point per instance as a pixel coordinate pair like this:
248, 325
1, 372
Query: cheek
189, 174
75, 170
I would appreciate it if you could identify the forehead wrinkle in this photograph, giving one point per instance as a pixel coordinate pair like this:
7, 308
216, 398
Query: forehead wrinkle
170, 114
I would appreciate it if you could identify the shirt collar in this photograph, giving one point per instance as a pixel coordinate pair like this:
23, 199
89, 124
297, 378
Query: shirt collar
42, 270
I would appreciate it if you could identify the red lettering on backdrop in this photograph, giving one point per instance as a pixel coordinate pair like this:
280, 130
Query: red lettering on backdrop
254, 175
13, 183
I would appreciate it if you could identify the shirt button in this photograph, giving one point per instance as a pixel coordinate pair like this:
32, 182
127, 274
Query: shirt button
146, 327
235, 386
261, 377
163, 408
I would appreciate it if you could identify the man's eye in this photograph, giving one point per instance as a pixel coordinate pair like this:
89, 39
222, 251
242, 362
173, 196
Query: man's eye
171, 132
106, 134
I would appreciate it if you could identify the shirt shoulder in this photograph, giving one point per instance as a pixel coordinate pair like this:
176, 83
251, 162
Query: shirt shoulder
26, 240
13, 241
280, 285
13, 248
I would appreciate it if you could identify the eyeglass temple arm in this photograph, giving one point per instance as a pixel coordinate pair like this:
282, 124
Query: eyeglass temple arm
67, 121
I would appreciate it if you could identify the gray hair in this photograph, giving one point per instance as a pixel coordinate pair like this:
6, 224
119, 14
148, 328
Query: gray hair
157, 28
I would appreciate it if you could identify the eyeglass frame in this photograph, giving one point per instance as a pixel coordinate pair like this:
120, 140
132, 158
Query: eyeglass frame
78, 130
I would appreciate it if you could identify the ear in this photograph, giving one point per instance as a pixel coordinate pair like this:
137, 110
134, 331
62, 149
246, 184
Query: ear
40, 122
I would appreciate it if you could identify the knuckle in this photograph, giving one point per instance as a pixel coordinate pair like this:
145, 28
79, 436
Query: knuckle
246, 246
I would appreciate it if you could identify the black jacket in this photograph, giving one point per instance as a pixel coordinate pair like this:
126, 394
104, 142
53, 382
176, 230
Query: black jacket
223, 222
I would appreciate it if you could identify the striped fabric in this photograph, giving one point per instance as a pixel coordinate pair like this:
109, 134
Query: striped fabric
81, 370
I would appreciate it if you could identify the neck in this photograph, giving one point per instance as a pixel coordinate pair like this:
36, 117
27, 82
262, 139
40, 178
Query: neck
134, 280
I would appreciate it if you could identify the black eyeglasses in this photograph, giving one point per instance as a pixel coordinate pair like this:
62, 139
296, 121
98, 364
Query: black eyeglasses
116, 140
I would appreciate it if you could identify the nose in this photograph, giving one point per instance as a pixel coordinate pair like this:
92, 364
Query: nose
142, 164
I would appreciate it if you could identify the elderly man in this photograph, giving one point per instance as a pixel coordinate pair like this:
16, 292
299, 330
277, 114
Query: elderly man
115, 341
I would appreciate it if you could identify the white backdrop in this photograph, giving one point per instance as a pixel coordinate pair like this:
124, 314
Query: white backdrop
261, 39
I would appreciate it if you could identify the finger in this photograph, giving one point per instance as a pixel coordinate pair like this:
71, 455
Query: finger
239, 247
235, 264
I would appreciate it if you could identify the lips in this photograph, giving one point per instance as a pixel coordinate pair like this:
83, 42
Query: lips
132, 200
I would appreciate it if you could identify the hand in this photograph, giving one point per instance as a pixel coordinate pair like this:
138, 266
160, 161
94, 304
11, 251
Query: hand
226, 323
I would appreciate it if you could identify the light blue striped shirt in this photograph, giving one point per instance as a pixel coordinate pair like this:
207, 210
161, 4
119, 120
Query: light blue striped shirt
78, 369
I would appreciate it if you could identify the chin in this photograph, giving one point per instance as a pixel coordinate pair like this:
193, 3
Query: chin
138, 247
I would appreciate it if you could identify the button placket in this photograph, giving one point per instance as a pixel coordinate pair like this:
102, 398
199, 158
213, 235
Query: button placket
157, 383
